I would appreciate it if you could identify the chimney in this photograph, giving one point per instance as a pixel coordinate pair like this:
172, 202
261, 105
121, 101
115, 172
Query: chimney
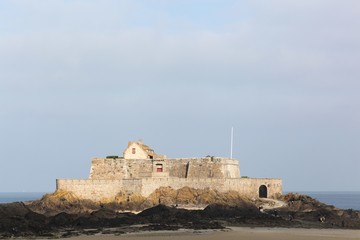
129, 142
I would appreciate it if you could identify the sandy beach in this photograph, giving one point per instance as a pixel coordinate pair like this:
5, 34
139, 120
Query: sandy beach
238, 233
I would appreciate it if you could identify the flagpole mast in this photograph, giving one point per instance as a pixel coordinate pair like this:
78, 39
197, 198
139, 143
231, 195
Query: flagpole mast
231, 144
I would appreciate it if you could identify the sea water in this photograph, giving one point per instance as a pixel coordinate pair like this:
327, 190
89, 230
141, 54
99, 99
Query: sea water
345, 200
8, 197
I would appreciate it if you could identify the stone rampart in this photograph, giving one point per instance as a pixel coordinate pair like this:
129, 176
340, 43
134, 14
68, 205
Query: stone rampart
208, 167
246, 186
101, 189
109, 176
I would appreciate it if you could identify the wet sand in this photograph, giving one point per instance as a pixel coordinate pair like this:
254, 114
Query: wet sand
237, 233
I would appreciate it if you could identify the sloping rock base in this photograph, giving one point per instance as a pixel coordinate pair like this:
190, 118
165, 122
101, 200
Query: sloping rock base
61, 201
62, 214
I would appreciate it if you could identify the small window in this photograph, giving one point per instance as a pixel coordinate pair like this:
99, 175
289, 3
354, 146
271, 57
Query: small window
133, 150
159, 168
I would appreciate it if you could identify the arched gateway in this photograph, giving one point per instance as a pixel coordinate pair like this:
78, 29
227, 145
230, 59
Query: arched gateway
263, 191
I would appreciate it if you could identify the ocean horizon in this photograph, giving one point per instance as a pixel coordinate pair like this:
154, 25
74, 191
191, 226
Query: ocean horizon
9, 197
340, 199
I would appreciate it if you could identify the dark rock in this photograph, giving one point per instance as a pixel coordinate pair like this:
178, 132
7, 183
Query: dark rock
19, 220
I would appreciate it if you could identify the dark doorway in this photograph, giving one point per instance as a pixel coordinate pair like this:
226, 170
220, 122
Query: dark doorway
263, 191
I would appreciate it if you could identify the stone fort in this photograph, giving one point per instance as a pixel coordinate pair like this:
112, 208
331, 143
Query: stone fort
142, 171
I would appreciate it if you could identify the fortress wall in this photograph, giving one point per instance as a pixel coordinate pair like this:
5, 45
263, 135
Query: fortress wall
107, 169
119, 168
246, 186
114, 169
208, 167
231, 168
250, 186
203, 168
110, 176
176, 168
98, 189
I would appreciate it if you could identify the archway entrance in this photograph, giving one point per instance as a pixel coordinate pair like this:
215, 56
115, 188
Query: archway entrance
263, 191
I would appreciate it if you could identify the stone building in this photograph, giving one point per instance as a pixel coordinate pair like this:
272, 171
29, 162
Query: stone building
142, 171
138, 150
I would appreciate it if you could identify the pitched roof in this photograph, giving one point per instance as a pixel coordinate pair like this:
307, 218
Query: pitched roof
147, 149
143, 146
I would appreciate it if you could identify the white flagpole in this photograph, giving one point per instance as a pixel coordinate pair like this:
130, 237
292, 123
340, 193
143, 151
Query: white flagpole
232, 139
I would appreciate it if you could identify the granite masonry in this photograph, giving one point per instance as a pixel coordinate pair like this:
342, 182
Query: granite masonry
142, 171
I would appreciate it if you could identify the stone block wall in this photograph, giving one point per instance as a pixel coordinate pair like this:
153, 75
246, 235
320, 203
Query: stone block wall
110, 176
209, 167
99, 189
90, 189
120, 168
246, 186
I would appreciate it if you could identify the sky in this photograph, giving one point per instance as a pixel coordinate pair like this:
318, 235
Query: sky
80, 78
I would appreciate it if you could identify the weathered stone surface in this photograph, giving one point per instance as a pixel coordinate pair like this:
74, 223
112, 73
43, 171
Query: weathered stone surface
141, 171
120, 168
185, 197
96, 190
62, 201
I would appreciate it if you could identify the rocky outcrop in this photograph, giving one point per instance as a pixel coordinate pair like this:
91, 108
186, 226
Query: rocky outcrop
61, 201
309, 212
294, 209
62, 214
17, 219
185, 197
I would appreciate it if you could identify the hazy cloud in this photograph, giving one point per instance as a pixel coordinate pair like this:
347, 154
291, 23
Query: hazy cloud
80, 78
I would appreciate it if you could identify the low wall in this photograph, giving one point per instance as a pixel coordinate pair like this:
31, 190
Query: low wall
246, 186
98, 189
